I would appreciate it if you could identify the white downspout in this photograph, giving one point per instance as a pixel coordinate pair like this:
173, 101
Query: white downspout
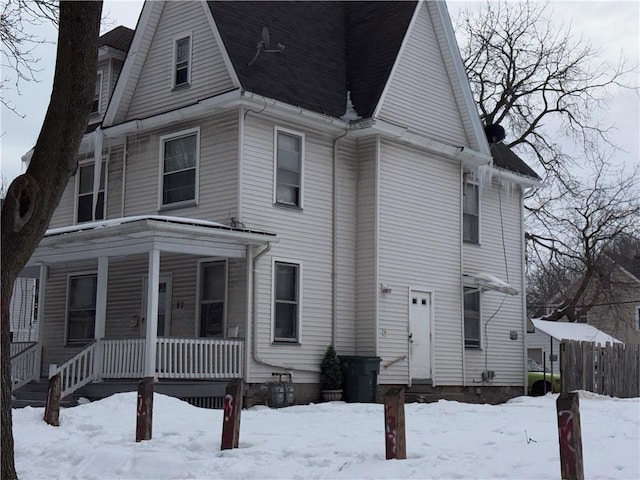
334, 266
125, 153
461, 200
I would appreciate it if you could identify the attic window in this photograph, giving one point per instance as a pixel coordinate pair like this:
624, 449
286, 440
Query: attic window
182, 71
95, 105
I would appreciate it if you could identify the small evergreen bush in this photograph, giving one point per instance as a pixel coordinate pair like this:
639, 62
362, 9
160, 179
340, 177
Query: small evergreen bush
330, 370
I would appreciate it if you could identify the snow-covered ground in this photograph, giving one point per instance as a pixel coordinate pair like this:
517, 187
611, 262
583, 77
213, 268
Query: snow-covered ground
330, 440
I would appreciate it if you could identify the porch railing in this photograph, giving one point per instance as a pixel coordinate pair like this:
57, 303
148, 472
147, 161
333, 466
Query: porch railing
199, 358
177, 358
25, 363
77, 371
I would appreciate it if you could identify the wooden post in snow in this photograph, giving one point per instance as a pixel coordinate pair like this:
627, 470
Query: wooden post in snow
570, 436
231, 415
52, 408
144, 409
394, 428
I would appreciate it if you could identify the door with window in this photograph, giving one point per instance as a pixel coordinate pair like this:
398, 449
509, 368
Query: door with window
213, 291
164, 306
420, 334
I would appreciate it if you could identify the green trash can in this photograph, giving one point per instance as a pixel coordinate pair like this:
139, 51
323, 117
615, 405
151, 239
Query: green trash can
360, 378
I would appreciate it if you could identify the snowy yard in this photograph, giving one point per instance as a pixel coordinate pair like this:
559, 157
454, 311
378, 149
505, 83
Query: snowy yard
331, 440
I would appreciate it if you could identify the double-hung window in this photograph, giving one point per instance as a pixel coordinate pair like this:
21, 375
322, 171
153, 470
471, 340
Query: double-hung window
289, 162
179, 167
638, 317
81, 308
472, 328
182, 69
84, 181
286, 323
470, 213
95, 105
213, 278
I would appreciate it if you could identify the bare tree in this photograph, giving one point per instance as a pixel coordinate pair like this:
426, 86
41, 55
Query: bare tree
525, 72
578, 234
32, 197
16, 19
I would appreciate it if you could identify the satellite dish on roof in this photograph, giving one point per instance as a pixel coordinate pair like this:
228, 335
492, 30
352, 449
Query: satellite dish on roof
263, 46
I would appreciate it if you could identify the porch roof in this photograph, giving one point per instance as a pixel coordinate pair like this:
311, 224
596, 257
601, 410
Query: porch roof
141, 234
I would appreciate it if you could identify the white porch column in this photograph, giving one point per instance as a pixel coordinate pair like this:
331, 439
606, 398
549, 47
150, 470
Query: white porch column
101, 297
42, 288
151, 339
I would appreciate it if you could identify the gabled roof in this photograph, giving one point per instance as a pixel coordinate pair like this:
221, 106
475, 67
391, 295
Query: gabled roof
630, 264
118, 38
329, 47
504, 157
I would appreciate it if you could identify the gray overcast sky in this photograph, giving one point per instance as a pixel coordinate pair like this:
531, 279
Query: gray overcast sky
611, 26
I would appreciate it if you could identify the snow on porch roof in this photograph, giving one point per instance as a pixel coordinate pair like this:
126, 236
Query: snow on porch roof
486, 281
573, 331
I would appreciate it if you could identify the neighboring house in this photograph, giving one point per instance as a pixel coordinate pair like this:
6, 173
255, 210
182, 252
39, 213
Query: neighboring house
619, 315
318, 176
543, 343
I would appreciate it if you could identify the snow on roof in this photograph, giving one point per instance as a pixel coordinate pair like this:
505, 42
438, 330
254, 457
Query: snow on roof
573, 331
163, 218
491, 282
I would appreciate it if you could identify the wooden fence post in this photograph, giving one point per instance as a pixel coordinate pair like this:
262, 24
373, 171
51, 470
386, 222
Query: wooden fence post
570, 436
394, 427
231, 415
144, 409
52, 408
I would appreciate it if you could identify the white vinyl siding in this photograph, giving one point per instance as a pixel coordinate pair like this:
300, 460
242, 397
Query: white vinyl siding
420, 248
501, 314
420, 95
179, 157
154, 92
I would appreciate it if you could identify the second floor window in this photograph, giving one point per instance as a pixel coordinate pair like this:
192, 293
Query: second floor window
95, 105
179, 168
182, 62
81, 308
289, 157
85, 193
470, 213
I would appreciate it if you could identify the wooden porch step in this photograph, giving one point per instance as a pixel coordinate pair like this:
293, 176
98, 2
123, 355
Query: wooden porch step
34, 394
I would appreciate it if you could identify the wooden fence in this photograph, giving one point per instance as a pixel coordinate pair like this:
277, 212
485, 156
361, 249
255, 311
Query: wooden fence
612, 370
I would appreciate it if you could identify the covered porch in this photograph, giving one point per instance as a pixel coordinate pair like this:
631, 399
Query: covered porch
149, 345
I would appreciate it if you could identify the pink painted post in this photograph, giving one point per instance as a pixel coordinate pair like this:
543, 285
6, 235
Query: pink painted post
570, 436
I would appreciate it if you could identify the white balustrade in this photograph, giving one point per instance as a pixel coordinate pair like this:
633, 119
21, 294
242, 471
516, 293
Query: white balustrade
25, 365
199, 358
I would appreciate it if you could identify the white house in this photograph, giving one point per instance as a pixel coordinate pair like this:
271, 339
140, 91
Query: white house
317, 176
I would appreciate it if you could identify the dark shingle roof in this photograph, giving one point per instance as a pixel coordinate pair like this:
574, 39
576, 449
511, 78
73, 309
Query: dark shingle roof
118, 38
504, 157
329, 47
630, 264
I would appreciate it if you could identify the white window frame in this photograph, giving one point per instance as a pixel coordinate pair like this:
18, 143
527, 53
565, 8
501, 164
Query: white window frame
638, 317
466, 290
476, 184
286, 131
274, 339
174, 63
167, 138
99, 79
74, 342
76, 206
200, 264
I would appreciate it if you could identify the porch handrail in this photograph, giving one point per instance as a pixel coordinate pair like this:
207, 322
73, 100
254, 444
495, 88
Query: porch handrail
199, 358
78, 371
25, 366
15, 348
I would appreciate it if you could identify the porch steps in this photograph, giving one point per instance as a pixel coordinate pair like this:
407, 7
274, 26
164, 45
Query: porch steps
423, 391
34, 394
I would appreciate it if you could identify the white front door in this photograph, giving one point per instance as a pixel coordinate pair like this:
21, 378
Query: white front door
164, 306
420, 334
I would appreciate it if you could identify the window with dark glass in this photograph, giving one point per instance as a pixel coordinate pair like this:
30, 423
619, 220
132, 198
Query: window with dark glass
81, 309
95, 105
179, 164
472, 318
212, 297
85, 193
286, 308
289, 169
470, 213
183, 55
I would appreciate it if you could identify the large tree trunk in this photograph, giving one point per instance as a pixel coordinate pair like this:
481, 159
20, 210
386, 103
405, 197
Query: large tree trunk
32, 198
